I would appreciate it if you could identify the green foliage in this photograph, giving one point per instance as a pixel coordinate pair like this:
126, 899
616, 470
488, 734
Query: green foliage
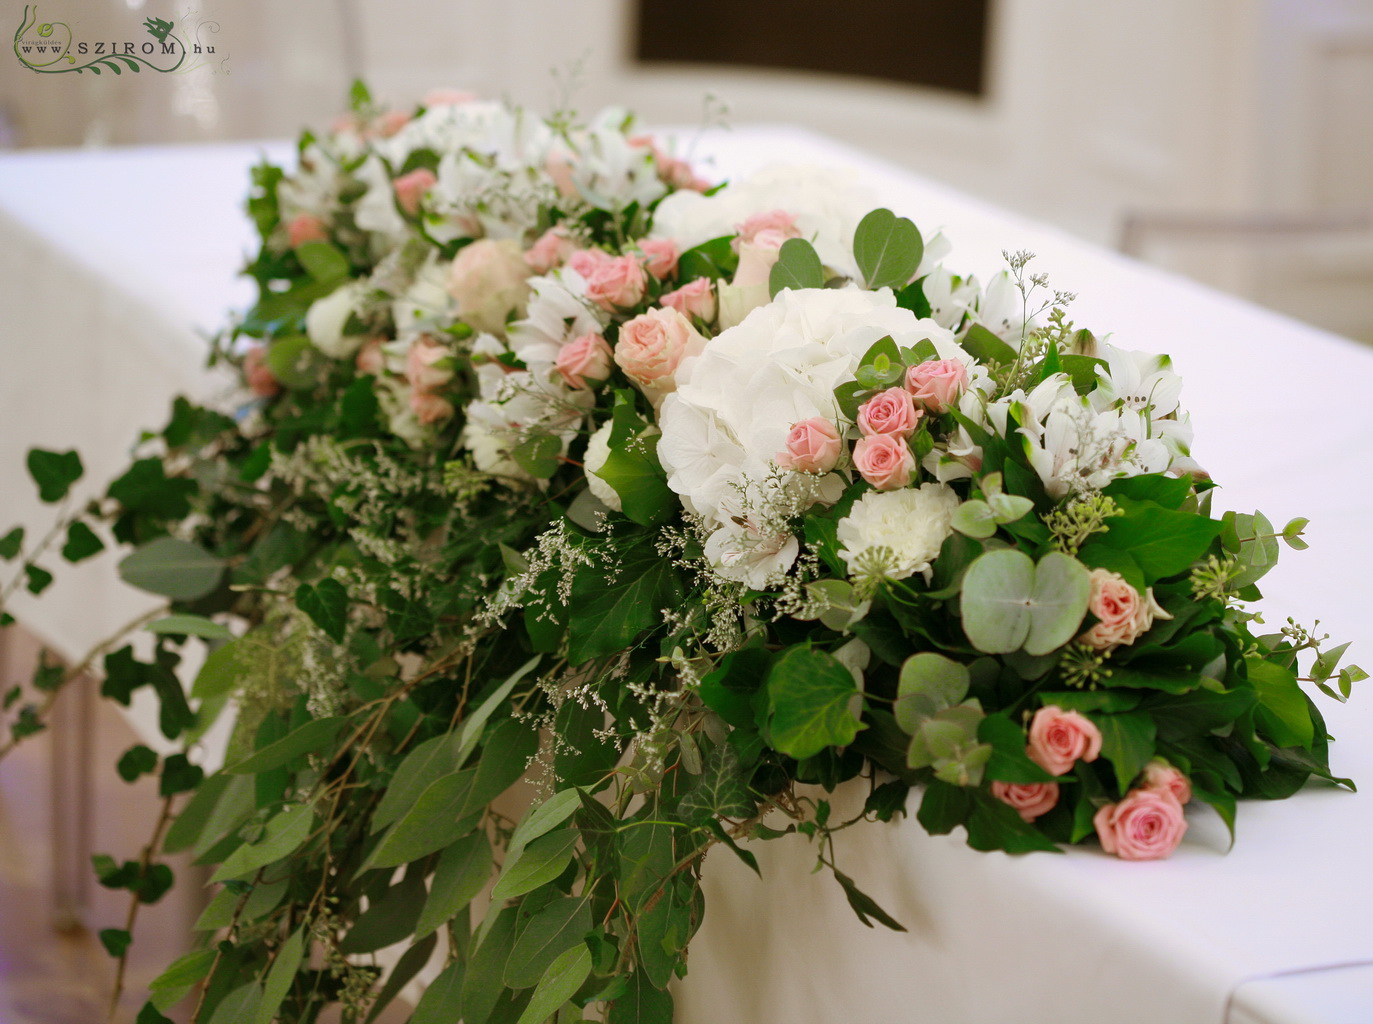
813, 703
1010, 603
53, 472
798, 266
888, 249
173, 568
82, 543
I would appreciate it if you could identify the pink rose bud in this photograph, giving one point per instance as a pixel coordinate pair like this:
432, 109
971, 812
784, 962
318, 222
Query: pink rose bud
813, 446
551, 250
652, 346
306, 228
756, 258
1147, 825
1122, 614
585, 359
429, 407
259, 375
661, 255
428, 365
370, 359
391, 122
936, 385
1059, 739
1030, 799
694, 299
773, 220
410, 188
885, 461
447, 98
618, 283
587, 262
1162, 776
890, 412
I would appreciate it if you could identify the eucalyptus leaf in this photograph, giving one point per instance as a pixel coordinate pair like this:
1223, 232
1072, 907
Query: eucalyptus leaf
798, 266
463, 871
560, 983
887, 248
173, 568
283, 835
543, 860
280, 977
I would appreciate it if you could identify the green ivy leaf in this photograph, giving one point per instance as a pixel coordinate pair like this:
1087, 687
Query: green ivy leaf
864, 905
722, 791
54, 472
137, 760
798, 266
1127, 741
11, 543
146, 488
813, 703
179, 775
326, 602
81, 543
1282, 709
605, 619
116, 941
887, 248
38, 579
538, 455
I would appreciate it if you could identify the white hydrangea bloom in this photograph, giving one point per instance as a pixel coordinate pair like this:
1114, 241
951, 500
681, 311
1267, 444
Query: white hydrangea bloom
827, 204
897, 533
737, 401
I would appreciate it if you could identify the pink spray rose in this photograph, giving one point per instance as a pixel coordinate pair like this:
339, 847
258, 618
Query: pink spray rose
390, 123
488, 278
410, 188
447, 98
1059, 739
1124, 615
653, 345
694, 299
889, 412
585, 359
551, 250
1030, 799
615, 282
425, 366
660, 257
813, 446
255, 369
1161, 776
429, 407
885, 461
757, 257
1147, 825
559, 167
306, 228
370, 359
773, 220
936, 385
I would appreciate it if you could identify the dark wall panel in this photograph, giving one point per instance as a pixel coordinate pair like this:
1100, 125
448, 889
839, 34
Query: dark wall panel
936, 43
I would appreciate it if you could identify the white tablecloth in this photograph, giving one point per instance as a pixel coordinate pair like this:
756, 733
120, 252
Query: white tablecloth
109, 261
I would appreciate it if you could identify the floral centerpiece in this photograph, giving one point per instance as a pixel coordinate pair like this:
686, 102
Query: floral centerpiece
683, 505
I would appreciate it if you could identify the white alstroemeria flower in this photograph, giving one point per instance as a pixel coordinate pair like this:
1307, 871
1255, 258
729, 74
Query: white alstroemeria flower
327, 319
376, 210
951, 298
594, 460
1142, 381
558, 312
1078, 449
936, 248
425, 306
757, 558
1001, 309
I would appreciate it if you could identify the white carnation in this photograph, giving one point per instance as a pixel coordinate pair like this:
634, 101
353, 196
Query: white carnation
327, 318
897, 532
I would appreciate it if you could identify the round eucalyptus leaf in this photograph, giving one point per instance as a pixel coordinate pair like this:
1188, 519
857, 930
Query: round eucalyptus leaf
996, 600
1061, 591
